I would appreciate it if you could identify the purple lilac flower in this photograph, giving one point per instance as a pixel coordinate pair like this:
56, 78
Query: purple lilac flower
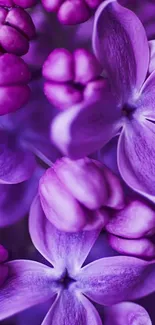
97, 197
16, 30
127, 107
67, 284
72, 205
72, 12
71, 77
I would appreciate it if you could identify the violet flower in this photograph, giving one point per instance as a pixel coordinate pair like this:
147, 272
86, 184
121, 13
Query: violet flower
67, 285
75, 81
71, 12
73, 205
127, 106
96, 198
16, 30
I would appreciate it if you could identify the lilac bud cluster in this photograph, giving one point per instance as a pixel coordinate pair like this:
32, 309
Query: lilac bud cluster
16, 31
78, 161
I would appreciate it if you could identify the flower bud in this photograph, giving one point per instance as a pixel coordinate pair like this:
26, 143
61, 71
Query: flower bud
72, 12
142, 248
71, 78
74, 194
21, 3
16, 30
135, 220
14, 91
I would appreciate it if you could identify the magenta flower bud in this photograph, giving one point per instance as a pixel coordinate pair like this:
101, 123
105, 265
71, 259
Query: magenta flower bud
16, 30
71, 12
136, 220
74, 194
71, 77
21, 3
142, 248
14, 91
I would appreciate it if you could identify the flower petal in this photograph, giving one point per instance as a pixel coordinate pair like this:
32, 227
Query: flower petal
114, 279
63, 250
146, 103
16, 165
142, 247
118, 41
135, 220
71, 307
87, 127
136, 157
29, 283
16, 199
126, 313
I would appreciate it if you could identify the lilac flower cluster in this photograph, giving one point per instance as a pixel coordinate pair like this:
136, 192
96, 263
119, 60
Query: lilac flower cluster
77, 231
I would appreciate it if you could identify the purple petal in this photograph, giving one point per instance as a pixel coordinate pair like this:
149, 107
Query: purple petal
63, 250
87, 127
135, 220
126, 313
146, 103
16, 165
16, 199
72, 308
114, 279
142, 248
118, 40
136, 157
29, 283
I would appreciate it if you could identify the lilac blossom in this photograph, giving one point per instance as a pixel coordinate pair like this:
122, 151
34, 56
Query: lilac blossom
72, 205
72, 12
127, 107
68, 285
75, 81
16, 30
97, 198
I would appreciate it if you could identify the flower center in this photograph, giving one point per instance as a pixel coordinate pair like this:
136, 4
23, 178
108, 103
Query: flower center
128, 110
66, 280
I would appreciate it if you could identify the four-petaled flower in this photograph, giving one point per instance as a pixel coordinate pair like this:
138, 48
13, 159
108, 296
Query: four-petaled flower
128, 105
68, 285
